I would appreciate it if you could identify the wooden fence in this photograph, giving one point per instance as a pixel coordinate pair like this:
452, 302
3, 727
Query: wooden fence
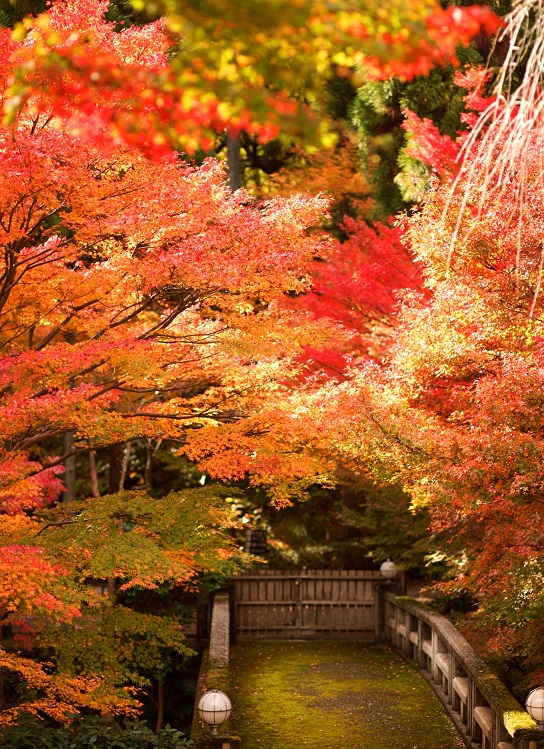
359, 605
306, 604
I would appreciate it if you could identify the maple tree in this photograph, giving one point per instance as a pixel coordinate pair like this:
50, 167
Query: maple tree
360, 283
141, 300
227, 73
453, 412
138, 302
334, 171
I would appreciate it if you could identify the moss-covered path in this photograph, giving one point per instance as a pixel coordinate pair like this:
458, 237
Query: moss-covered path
334, 695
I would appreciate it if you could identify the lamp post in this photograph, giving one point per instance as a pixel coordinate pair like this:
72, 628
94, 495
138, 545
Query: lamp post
214, 708
388, 571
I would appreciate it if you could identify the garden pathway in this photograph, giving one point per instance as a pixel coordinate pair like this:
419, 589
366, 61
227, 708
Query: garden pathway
333, 695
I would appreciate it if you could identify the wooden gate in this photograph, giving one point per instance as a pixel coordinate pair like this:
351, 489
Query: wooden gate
306, 604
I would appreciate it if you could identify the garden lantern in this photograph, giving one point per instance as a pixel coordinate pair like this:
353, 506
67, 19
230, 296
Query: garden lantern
388, 569
535, 705
214, 708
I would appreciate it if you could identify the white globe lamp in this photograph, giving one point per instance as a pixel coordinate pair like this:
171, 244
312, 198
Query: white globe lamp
214, 708
388, 569
535, 706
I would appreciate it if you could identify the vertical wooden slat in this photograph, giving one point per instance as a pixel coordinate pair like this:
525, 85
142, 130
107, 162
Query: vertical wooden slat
306, 603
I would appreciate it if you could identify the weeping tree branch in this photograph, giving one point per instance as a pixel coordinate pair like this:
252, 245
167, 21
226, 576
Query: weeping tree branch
495, 155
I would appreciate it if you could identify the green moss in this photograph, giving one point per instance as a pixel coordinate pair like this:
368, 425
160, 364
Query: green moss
408, 602
516, 720
333, 695
218, 678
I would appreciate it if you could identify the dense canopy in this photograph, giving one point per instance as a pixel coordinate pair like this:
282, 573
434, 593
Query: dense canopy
265, 339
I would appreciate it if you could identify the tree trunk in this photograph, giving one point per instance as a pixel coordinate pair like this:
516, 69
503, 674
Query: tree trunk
160, 705
116, 459
110, 583
2, 686
148, 468
234, 161
124, 469
69, 477
114, 480
95, 490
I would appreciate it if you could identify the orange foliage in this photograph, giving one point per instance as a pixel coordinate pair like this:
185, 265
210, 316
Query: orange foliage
454, 412
141, 299
138, 300
228, 74
333, 171
62, 693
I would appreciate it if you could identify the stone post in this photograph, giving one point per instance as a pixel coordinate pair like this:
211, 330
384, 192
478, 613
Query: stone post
529, 738
221, 741
380, 630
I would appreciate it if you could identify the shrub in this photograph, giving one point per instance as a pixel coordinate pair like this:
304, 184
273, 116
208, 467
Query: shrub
90, 733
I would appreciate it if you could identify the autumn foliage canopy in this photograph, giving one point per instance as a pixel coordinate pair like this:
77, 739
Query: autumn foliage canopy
453, 412
141, 300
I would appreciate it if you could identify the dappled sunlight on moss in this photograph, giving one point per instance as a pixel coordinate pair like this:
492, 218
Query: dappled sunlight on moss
334, 695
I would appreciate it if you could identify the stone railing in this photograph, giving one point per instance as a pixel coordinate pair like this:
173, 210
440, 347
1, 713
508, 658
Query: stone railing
214, 674
483, 709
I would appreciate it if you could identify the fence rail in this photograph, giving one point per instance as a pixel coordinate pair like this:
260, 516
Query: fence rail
481, 706
306, 604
